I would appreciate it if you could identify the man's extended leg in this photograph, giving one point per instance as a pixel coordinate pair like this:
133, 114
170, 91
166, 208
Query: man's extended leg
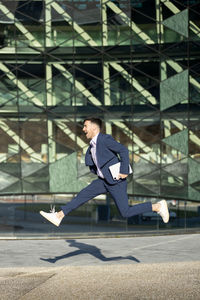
119, 194
94, 189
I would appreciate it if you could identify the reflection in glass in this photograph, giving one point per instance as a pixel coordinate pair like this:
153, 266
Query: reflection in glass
135, 65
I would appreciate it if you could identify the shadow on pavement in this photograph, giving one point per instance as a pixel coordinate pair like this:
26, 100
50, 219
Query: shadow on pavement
87, 249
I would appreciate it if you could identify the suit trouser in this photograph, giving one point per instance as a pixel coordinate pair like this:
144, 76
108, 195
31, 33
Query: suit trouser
118, 192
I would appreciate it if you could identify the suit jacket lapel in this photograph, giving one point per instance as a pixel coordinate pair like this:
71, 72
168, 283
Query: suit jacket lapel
100, 151
88, 158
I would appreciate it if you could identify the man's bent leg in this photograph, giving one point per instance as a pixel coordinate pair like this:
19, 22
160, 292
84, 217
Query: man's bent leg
94, 189
119, 194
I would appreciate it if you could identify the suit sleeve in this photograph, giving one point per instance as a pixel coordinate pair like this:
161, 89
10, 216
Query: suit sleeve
121, 150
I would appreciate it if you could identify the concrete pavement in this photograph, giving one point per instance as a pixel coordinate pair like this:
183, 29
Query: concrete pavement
156, 267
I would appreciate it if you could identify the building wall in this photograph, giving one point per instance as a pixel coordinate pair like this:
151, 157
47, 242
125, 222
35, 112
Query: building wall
133, 63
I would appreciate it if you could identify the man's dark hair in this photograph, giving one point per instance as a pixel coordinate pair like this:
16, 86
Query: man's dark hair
95, 121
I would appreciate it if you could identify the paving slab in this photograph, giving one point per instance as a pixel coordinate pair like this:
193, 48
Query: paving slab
132, 250
156, 267
179, 280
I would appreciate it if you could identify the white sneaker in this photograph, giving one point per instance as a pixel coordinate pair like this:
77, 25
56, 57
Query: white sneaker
164, 212
51, 217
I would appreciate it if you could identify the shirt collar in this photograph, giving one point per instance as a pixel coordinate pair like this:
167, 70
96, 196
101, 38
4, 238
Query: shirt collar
94, 139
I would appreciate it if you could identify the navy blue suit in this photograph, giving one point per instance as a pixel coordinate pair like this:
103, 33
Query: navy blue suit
108, 152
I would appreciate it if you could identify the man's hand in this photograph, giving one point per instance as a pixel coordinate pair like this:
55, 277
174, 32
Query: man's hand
121, 176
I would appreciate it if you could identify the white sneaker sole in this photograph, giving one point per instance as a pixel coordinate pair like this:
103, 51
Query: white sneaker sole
165, 217
51, 218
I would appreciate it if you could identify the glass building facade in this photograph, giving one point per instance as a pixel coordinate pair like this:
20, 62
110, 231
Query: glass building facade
133, 63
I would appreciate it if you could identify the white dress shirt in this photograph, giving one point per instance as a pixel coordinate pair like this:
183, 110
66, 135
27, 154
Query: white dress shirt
93, 144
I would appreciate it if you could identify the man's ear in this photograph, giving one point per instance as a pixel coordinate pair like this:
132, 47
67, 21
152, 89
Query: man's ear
94, 126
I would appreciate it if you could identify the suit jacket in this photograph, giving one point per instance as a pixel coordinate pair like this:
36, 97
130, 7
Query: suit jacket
108, 152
